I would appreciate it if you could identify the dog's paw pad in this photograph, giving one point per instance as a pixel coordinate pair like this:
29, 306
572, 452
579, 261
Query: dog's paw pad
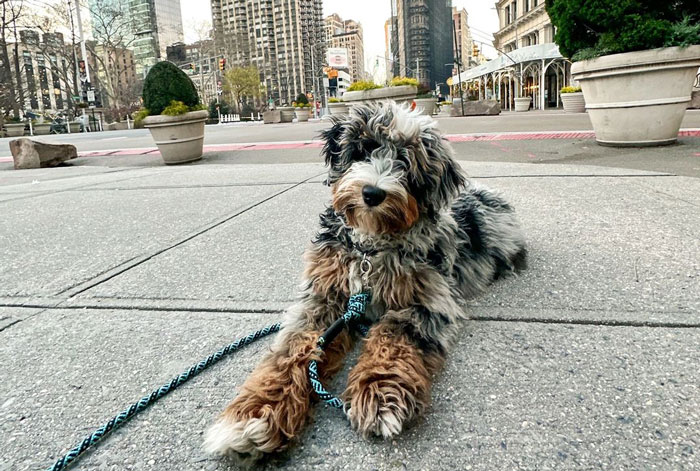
245, 437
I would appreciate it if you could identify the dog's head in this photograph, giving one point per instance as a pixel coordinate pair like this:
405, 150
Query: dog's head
388, 167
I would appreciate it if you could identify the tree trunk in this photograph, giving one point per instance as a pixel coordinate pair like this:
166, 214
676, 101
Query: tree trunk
6, 60
18, 70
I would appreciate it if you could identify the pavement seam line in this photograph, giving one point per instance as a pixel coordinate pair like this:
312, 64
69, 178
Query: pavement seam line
136, 261
534, 320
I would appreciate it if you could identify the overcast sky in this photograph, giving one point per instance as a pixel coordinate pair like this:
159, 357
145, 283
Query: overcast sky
483, 20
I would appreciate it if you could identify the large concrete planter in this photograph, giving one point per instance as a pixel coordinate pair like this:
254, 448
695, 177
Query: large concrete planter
303, 114
180, 139
41, 129
522, 104
573, 102
402, 94
14, 130
338, 109
286, 114
426, 105
638, 98
272, 117
117, 126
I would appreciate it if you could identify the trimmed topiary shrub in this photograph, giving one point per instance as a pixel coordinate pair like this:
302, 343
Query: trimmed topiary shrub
363, 85
301, 98
570, 90
165, 83
592, 28
399, 81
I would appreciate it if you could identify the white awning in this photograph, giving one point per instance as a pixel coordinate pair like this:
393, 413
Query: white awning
537, 52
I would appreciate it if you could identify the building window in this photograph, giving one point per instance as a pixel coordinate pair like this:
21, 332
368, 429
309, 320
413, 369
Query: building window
507, 15
526, 5
514, 10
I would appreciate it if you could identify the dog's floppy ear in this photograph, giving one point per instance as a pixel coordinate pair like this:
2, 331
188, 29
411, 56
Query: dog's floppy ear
442, 166
331, 146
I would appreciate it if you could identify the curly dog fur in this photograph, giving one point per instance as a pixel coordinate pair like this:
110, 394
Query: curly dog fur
434, 240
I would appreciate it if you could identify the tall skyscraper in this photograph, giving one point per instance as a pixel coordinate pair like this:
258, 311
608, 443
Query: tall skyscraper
422, 39
388, 31
463, 49
283, 38
154, 25
347, 34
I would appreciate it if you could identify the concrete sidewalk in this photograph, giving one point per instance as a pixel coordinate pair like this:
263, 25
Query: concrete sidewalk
113, 280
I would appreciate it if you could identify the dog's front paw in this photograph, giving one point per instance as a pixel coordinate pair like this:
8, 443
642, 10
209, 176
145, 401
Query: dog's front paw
250, 437
380, 408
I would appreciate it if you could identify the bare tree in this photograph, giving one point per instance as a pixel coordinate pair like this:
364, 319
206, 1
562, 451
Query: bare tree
11, 97
112, 33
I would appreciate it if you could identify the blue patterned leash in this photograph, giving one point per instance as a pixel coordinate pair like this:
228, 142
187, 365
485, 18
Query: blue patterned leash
357, 305
124, 416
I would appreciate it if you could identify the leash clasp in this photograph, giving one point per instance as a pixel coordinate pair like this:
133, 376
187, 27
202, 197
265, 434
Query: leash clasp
365, 269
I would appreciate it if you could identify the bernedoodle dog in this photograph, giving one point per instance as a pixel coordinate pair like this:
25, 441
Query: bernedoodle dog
401, 201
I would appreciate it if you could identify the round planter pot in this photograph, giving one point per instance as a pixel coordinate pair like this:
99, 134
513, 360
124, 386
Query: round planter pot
74, 127
14, 130
180, 139
286, 114
425, 105
41, 129
522, 104
303, 115
573, 102
638, 98
338, 109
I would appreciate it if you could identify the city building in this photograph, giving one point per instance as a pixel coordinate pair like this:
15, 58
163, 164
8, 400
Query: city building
348, 35
388, 25
422, 40
284, 39
522, 23
529, 63
464, 44
200, 61
116, 76
153, 26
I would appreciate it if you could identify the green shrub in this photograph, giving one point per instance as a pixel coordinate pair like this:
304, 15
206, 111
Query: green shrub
302, 105
166, 83
399, 81
175, 108
363, 85
334, 100
592, 28
301, 98
139, 116
570, 90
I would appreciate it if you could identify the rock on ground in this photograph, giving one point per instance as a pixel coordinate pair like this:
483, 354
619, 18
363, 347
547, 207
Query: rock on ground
34, 154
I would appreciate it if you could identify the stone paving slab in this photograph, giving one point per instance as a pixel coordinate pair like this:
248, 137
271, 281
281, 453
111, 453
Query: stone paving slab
223, 175
514, 395
63, 239
256, 257
599, 244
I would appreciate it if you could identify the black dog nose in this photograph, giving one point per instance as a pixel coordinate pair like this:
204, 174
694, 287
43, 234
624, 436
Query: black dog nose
373, 195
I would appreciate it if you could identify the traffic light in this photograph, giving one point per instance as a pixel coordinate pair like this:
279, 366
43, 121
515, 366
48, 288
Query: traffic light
192, 66
222, 63
475, 50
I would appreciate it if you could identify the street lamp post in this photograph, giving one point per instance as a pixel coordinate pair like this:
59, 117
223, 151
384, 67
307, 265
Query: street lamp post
458, 61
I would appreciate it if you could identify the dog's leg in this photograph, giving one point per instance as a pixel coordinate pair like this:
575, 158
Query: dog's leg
391, 382
274, 401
